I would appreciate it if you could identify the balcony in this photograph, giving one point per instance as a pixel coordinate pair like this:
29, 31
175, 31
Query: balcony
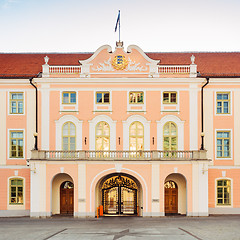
119, 155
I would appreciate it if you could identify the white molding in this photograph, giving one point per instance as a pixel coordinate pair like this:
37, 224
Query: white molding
24, 101
95, 105
143, 106
180, 130
146, 125
92, 129
224, 90
69, 104
231, 144
59, 124
177, 105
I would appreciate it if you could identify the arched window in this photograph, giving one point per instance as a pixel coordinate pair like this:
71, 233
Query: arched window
102, 136
170, 137
224, 192
136, 136
69, 136
16, 191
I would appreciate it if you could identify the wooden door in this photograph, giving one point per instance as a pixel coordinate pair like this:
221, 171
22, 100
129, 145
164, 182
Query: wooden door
66, 201
171, 197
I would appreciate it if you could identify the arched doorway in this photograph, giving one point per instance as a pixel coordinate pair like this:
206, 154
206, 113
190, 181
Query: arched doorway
66, 198
120, 194
171, 197
175, 194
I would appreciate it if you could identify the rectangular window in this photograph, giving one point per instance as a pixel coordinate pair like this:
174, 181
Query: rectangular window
223, 192
16, 191
69, 97
16, 103
102, 97
223, 144
136, 97
223, 103
169, 97
16, 144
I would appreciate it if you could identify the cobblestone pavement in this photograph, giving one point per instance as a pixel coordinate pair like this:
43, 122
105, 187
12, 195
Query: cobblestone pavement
123, 228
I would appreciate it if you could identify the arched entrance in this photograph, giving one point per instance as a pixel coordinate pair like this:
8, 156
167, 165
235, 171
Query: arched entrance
66, 198
175, 194
120, 194
62, 194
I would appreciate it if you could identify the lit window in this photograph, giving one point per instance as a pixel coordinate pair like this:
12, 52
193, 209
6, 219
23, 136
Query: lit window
16, 144
16, 191
102, 136
136, 97
69, 97
169, 97
223, 144
224, 192
170, 137
16, 103
68, 136
223, 101
102, 97
136, 136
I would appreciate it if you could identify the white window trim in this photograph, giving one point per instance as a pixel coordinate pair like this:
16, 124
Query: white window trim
24, 142
92, 129
137, 104
215, 102
170, 104
20, 206
95, 105
24, 100
146, 125
59, 124
62, 105
231, 142
224, 206
180, 129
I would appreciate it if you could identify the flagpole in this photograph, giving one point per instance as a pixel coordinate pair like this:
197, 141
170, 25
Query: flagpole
119, 25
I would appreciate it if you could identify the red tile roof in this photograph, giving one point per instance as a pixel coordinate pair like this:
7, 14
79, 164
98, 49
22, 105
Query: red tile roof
208, 64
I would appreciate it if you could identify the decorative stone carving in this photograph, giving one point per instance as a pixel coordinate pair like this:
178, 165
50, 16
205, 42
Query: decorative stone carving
192, 59
46, 59
105, 66
133, 66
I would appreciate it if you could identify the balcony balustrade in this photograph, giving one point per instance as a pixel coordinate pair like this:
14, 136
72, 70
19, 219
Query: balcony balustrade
154, 155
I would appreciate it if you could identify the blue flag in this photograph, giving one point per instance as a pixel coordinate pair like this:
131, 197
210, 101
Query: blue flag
118, 21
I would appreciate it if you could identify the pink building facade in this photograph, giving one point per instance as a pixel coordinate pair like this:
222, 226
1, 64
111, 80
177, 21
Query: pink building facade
126, 132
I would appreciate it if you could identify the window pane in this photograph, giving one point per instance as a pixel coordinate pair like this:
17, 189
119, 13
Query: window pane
173, 129
165, 97
133, 144
173, 97
98, 143
65, 98
226, 134
65, 130
225, 96
106, 97
72, 129
140, 144
166, 129
99, 97
219, 96
73, 98
105, 144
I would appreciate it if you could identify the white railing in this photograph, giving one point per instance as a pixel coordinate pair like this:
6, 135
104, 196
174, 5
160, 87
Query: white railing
119, 155
64, 69
180, 69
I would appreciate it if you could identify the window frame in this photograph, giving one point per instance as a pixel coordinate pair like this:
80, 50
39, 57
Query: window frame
169, 97
69, 136
136, 136
10, 191
222, 107
230, 194
17, 101
170, 136
142, 92
101, 136
10, 145
69, 98
230, 143
102, 92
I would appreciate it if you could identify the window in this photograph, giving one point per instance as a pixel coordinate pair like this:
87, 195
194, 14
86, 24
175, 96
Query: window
16, 103
136, 136
69, 97
223, 101
223, 144
136, 97
224, 192
170, 137
69, 136
102, 136
102, 97
169, 97
16, 144
16, 191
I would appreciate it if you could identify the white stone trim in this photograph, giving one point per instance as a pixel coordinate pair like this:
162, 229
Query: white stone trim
59, 124
180, 130
75, 105
146, 125
95, 105
24, 101
177, 105
224, 90
92, 128
143, 106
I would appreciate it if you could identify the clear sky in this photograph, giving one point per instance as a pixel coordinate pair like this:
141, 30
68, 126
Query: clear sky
153, 25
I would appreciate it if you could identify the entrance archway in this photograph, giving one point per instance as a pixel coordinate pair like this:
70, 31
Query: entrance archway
62, 194
175, 194
119, 194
